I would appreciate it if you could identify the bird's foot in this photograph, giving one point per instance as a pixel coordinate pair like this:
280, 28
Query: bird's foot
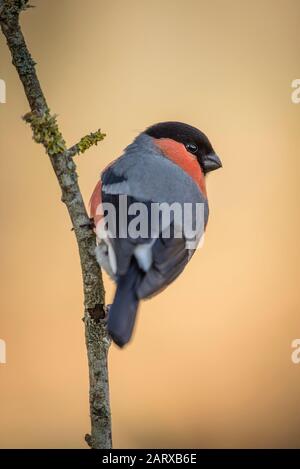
106, 311
90, 224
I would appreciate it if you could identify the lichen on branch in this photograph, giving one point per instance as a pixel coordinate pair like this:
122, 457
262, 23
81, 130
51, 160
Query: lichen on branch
45, 131
89, 140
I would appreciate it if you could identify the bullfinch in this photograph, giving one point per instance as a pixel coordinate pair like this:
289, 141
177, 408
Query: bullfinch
140, 208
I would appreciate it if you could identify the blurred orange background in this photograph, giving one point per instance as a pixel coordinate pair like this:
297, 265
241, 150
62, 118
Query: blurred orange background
210, 364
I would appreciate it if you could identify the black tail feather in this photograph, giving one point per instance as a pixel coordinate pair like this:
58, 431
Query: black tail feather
122, 313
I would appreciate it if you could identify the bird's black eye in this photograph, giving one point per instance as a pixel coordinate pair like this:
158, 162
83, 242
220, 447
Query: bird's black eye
191, 147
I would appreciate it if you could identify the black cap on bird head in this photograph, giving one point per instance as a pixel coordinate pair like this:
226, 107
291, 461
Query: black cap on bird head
195, 141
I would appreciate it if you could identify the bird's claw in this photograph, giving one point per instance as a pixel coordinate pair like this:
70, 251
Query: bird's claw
90, 224
106, 311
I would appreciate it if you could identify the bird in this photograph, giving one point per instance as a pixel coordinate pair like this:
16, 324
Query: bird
165, 166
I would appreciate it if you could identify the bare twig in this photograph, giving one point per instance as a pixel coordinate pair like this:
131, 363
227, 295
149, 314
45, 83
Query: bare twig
46, 131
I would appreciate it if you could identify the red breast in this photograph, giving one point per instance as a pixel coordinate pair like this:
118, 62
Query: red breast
177, 153
95, 201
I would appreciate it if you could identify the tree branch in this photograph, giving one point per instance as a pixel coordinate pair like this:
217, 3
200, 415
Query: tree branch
46, 131
86, 142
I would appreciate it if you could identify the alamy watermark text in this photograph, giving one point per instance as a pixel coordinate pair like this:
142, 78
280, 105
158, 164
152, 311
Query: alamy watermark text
2, 91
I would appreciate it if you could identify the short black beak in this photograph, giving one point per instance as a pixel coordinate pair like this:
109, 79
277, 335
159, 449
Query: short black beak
211, 162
